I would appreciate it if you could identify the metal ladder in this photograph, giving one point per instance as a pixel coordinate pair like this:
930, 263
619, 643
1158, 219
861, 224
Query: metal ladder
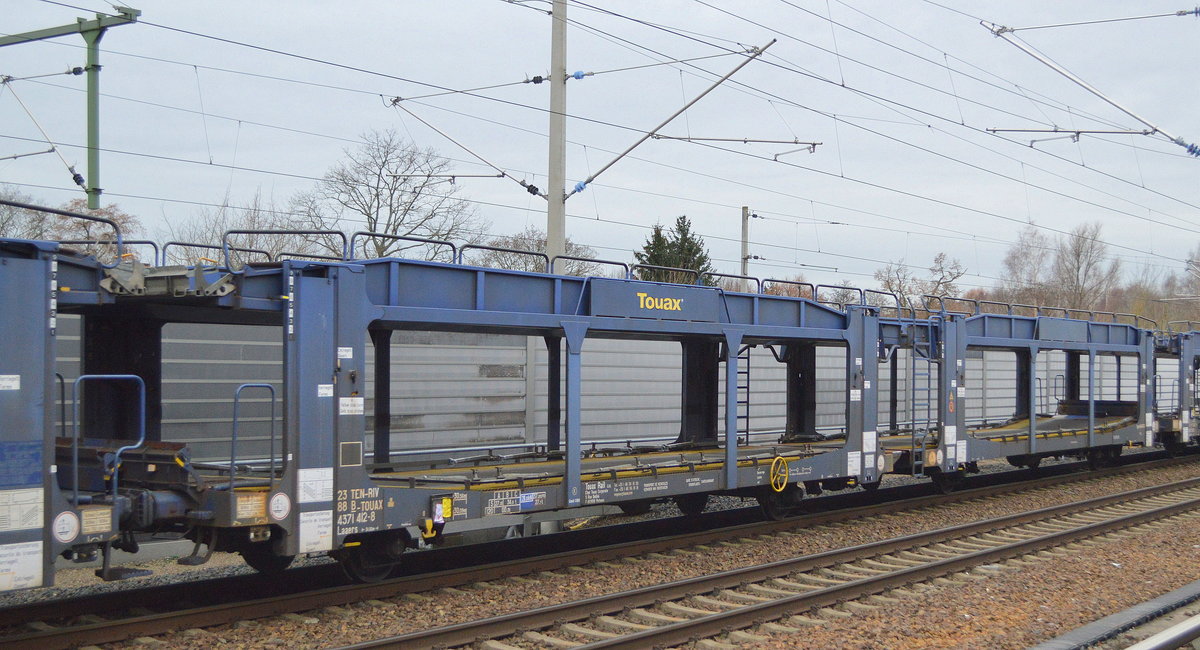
743, 391
922, 398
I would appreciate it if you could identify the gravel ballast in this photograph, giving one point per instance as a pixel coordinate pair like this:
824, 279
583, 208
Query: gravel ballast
1004, 608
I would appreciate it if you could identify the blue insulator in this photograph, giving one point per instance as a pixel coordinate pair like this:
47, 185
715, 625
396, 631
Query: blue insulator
580, 186
579, 74
1193, 149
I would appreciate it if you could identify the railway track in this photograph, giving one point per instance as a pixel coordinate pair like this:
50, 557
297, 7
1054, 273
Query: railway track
700, 609
74, 623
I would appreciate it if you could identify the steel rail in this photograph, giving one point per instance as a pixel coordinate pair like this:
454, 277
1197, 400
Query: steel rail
690, 630
160, 623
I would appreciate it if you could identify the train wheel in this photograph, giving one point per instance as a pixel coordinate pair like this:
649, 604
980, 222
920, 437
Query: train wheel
780, 505
871, 486
947, 482
261, 558
691, 504
360, 565
635, 507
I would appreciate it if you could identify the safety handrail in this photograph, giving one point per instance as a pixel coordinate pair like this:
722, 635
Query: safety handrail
1051, 310
654, 267
116, 458
1033, 309
366, 234
225, 246
237, 396
714, 274
817, 293
76, 215
1007, 306
282, 255
925, 303
1191, 325
812, 289
500, 249
212, 247
948, 301
131, 242
576, 258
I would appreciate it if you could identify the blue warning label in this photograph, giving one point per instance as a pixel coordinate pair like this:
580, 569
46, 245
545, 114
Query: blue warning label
20, 464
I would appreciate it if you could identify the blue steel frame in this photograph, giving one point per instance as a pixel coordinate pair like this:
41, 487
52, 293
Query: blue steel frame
324, 311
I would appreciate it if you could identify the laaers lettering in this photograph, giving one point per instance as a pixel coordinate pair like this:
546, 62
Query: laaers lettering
646, 301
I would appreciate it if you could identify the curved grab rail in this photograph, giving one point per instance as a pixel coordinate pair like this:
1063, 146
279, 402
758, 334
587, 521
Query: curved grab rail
714, 274
237, 397
817, 293
225, 246
895, 298
116, 457
812, 289
1050, 310
576, 258
213, 247
367, 234
500, 249
76, 215
654, 267
131, 242
925, 303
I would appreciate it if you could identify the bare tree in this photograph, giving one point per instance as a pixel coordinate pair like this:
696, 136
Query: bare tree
943, 274
898, 278
388, 185
1027, 269
209, 226
533, 239
20, 223
1083, 273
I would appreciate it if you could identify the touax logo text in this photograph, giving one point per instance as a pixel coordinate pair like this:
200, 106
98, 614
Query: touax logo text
646, 301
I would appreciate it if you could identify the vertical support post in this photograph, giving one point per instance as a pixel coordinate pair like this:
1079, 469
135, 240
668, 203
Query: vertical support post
1031, 394
1146, 386
553, 393
381, 339
556, 198
745, 240
951, 378
92, 38
1117, 358
700, 387
1091, 393
801, 391
1073, 374
894, 390
1187, 356
733, 342
572, 479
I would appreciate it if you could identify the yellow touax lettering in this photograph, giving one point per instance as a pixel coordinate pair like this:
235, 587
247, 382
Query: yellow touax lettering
646, 301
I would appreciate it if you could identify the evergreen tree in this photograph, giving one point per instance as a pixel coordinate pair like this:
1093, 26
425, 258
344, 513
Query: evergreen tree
677, 248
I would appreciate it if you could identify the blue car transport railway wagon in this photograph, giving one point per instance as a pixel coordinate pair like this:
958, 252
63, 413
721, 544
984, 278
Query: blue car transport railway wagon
84, 467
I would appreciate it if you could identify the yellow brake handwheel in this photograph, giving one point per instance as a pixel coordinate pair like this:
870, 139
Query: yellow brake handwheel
779, 474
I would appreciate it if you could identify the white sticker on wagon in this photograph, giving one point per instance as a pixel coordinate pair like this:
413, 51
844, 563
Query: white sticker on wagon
316, 531
20, 565
316, 485
10, 382
345, 353
324, 390
21, 509
351, 405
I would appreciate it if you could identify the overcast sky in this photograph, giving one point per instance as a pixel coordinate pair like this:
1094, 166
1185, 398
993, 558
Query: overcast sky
900, 94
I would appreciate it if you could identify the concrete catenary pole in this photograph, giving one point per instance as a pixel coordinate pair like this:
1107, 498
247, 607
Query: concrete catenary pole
556, 212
